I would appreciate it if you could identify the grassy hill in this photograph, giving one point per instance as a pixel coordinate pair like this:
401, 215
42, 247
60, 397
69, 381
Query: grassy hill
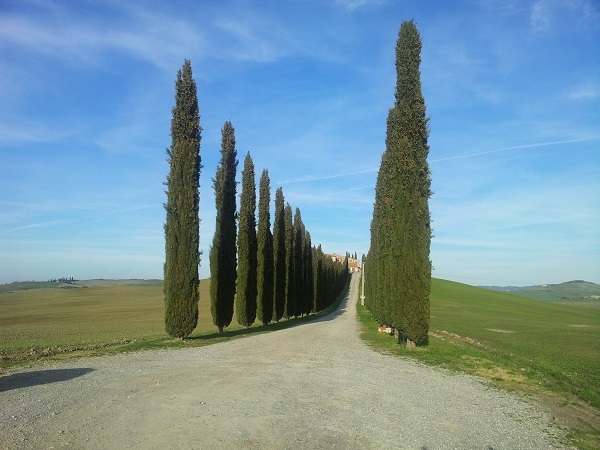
101, 316
577, 291
558, 345
544, 350
28, 285
572, 291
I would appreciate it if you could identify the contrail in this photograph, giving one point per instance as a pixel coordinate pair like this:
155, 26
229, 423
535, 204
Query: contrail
310, 178
516, 147
328, 177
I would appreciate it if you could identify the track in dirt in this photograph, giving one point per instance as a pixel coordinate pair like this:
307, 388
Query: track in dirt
312, 386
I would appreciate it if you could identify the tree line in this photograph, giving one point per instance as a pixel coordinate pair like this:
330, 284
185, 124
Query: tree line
258, 273
397, 268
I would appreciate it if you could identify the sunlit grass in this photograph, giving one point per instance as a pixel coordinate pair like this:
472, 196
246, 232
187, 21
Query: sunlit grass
42, 323
510, 338
534, 348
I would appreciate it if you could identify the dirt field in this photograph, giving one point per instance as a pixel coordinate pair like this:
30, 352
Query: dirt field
313, 386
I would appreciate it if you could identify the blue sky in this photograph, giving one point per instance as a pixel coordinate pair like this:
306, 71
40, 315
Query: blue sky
512, 90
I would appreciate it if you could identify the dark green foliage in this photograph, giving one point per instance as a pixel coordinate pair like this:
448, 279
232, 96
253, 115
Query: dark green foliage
182, 225
290, 294
279, 255
245, 304
223, 260
266, 265
308, 297
318, 286
398, 269
328, 279
298, 265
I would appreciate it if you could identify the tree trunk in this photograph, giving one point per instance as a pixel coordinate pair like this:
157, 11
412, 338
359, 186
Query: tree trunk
220, 327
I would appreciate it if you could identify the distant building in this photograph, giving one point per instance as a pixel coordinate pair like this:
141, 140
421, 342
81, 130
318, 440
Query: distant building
353, 264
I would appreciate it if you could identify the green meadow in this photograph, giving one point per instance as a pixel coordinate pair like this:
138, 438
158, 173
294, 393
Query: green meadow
535, 348
539, 349
103, 316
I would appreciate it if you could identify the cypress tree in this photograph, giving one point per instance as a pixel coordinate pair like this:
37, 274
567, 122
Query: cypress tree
399, 269
298, 265
288, 309
308, 301
279, 256
266, 264
223, 260
317, 278
416, 184
182, 225
245, 303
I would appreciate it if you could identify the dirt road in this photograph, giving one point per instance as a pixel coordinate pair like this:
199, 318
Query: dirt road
313, 386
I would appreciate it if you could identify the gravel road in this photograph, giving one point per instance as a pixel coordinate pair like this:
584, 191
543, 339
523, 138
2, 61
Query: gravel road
315, 386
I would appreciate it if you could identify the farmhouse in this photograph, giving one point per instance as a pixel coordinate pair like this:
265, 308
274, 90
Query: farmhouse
353, 264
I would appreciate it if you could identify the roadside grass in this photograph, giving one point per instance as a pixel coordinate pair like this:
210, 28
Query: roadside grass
536, 349
49, 324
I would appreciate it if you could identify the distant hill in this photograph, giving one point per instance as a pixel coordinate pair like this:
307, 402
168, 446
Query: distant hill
577, 291
25, 285
508, 288
127, 282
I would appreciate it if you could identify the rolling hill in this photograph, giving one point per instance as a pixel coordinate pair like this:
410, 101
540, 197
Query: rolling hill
577, 292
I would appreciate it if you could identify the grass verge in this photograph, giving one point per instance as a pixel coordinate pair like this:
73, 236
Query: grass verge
545, 352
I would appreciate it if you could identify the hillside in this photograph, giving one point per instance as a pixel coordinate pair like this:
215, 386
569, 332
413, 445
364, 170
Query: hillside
577, 291
556, 345
547, 351
28, 285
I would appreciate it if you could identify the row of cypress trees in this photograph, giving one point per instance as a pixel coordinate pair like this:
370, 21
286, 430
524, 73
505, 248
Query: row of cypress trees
279, 274
398, 268
265, 275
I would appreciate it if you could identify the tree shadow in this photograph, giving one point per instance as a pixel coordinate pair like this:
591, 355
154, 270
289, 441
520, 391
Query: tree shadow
29, 379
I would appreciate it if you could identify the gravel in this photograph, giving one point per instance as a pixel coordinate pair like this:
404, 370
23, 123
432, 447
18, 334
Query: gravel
313, 386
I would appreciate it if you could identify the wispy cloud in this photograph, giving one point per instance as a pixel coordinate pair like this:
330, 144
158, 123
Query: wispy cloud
353, 5
36, 225
156, 39
515, 147
582, 13
312, 178
584, 93
31, 132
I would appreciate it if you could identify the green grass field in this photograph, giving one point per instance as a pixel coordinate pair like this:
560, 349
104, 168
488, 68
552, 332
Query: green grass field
106, 317
50, 322
524, 345
520, 344
581, 292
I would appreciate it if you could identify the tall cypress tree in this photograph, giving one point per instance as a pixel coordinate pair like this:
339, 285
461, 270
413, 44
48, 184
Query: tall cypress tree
308, 300
223, 259
266, 265
399, 269
288, 309
318, 278
182, 225
245, 303
416, 185
298, 266
279, 255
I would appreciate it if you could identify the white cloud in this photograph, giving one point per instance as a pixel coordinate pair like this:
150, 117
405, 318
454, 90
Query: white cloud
578, 13
584, 93
353, 5
541, 15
